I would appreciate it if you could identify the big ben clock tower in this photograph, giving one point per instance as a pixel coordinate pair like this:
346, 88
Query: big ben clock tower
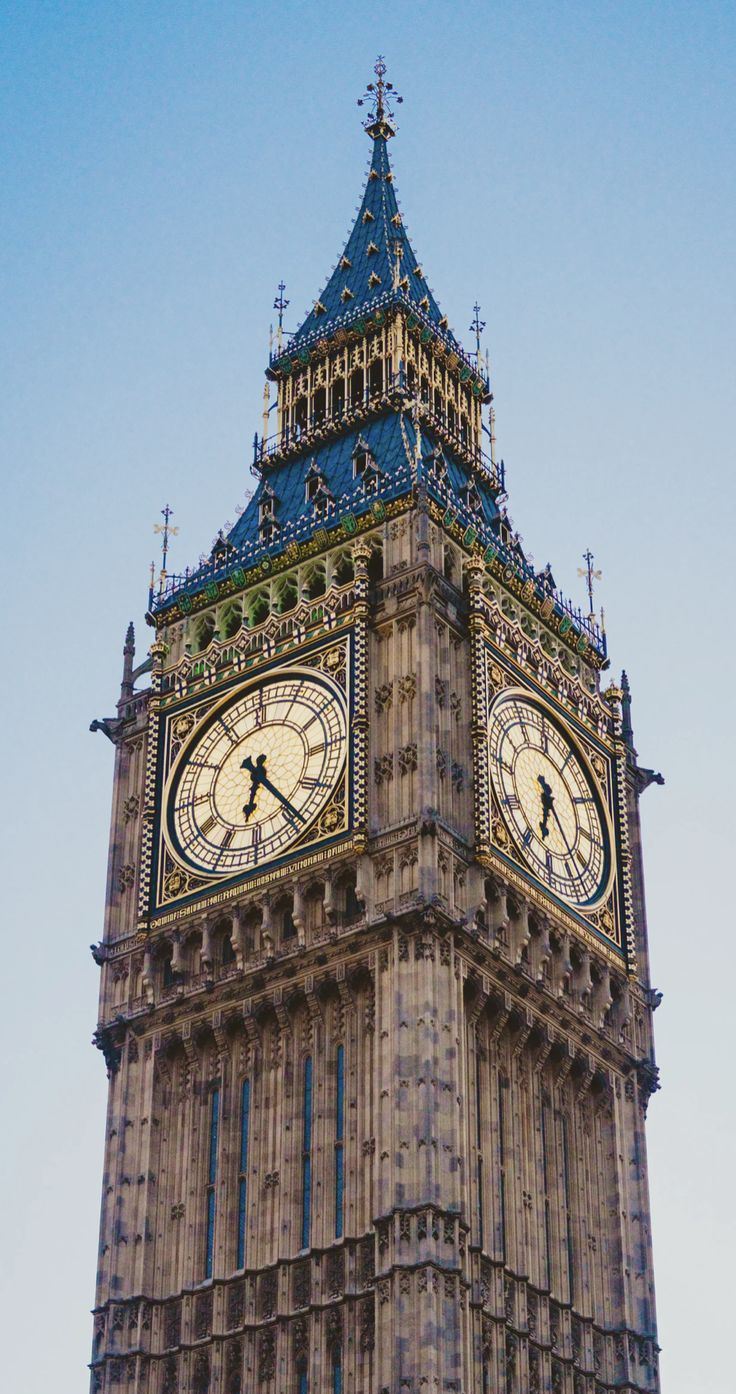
374, 998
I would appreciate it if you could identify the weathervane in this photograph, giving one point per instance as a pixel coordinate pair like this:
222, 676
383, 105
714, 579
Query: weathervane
590, 575
379, 94
477, 328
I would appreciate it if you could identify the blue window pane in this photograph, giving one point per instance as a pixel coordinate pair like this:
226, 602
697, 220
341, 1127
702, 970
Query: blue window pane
308, 1104
244, 1123
211, 1179
303, 1382
210, 1233
214, 1123
243, 1181
337, 1373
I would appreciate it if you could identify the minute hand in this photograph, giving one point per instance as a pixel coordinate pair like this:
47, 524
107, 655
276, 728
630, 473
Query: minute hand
562, 830
265, 781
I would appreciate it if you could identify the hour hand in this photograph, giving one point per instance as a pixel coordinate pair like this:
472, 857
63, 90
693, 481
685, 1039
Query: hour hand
548, 804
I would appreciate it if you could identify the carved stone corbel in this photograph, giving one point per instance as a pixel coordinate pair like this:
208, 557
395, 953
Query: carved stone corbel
237, 936
601, 999
206, 955
297, 912
177, 962
582, 979
545, 1047
519, 925
147, 979
504, 1012
498, 913
267, 944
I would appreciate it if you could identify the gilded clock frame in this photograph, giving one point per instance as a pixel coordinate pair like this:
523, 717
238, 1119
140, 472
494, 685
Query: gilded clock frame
605, 923
174, 885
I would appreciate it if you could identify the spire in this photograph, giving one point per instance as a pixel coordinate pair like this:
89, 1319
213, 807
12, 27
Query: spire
378, 263
627, 730
126, 686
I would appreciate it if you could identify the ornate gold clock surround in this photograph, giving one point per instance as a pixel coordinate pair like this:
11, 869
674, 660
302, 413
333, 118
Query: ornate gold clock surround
327, 666
604, 923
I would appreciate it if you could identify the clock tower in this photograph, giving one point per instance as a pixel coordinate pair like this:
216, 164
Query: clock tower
375, 1002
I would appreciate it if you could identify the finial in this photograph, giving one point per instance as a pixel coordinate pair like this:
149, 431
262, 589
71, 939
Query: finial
477, 328
379, 94
590, 576
167, 532
280, 304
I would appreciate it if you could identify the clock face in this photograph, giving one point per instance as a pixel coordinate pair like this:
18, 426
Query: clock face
548, 799
256, 773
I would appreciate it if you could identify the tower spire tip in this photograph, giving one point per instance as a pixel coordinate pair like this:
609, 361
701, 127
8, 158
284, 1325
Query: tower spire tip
379, 123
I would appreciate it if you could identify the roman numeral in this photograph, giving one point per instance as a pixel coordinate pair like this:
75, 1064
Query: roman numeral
511, 801
527, 837
317, 749
227, 839
207, 826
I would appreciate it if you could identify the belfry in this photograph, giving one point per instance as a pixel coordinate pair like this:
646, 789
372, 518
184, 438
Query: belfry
375, 1000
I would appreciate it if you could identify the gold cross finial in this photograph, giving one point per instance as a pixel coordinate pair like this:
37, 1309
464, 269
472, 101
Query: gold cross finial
379, 95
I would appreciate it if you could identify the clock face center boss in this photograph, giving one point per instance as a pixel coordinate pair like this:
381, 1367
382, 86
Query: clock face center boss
549, 799
256, 773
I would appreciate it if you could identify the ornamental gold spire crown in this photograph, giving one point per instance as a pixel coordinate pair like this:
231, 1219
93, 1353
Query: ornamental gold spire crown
379, 95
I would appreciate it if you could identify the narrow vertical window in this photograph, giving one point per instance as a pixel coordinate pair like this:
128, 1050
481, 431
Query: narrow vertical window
243, 1171
340, 1143
479, 1145
211, 1179
568, 1211
303, 1386
337, 1371
545, 1177
307, 1157
502, 1164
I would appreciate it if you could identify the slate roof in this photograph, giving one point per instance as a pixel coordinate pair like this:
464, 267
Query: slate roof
391, 440
370, 273
386, 442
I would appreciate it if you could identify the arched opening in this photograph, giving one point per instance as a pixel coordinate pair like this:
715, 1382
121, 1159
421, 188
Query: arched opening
286, 595
315, 584
320, 406
204, 631
283, 919
375, 566
300, 415
338, 397
375, 378
356, 388
343, 572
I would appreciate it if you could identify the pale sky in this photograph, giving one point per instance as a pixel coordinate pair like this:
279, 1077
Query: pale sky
570, 165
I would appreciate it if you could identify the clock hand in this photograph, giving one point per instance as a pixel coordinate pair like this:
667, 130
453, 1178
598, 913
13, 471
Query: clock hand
562, 830
256, 778
282, 800
548, 804
259, 777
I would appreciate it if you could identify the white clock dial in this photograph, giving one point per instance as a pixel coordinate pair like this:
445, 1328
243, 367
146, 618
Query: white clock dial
257, 773
548, 798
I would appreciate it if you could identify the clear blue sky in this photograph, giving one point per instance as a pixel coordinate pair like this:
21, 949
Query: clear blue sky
164, 165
